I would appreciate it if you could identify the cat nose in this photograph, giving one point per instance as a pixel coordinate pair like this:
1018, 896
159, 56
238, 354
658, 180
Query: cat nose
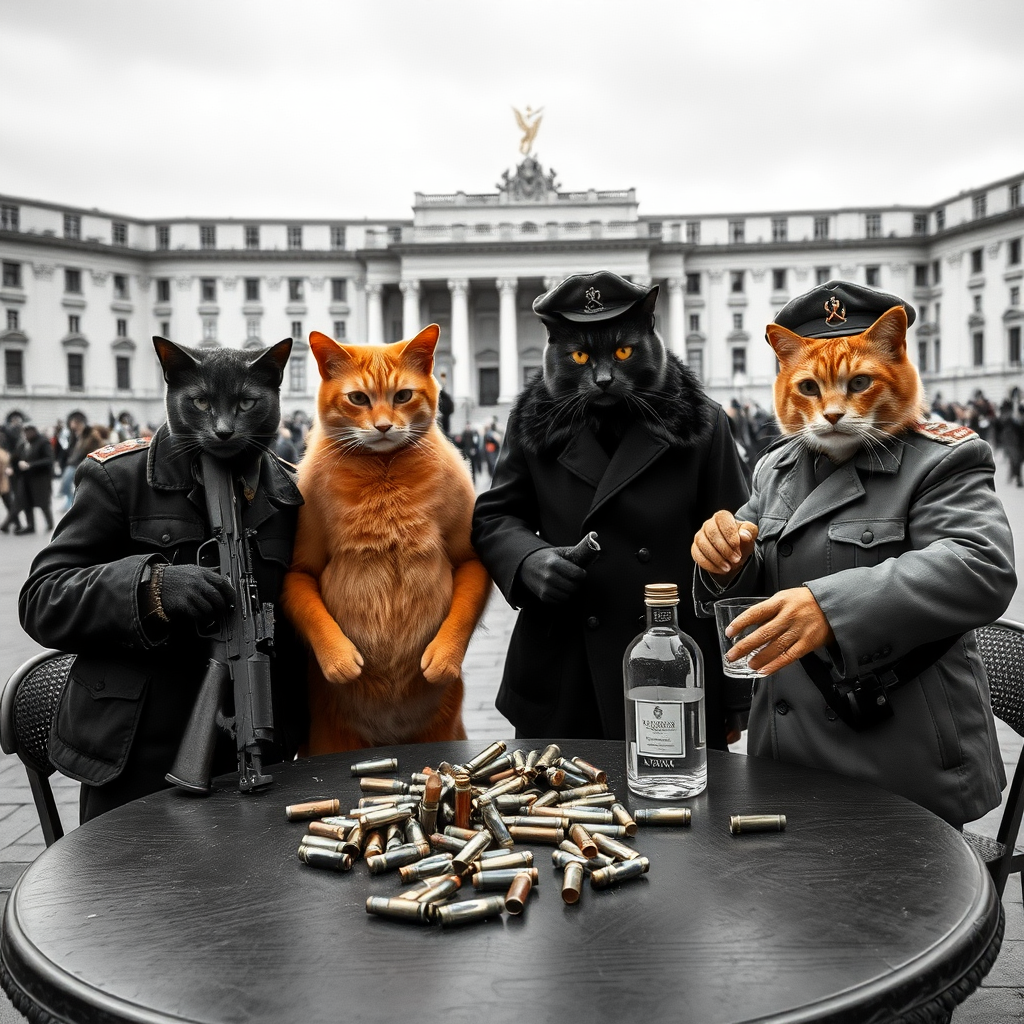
383, 427
833, 417
224, 435
604, 383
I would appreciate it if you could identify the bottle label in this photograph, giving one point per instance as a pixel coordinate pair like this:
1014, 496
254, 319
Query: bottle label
663, 615
659, 733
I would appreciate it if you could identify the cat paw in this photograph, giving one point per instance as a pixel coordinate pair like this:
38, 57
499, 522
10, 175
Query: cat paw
341, 664
441, 662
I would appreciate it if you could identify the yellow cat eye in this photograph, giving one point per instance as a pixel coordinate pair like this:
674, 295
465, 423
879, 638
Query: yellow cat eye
358, 398
860, 383
623, 352
403, 396
580, 357
809, 388
245, 404
201, 404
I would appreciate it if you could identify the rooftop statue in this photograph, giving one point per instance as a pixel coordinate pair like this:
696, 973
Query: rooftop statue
529, 126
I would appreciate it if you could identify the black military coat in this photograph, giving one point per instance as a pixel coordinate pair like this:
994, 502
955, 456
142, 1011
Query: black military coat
135, 503
645, 503
35, 483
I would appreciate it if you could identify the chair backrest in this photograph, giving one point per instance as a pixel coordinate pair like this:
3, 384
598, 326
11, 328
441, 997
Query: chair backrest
1001, 645
28, 705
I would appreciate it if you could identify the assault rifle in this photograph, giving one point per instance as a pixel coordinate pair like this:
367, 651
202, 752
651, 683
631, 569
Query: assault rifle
239, 658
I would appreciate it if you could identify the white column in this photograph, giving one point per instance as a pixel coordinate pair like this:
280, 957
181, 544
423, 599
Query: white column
374, 314
676, 325
461, 383
411, 325
508, 372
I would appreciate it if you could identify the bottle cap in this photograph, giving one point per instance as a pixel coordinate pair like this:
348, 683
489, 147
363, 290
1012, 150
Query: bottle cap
661, 593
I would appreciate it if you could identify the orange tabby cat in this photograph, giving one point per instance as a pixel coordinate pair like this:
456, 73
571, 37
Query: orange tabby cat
841, 394
384, 585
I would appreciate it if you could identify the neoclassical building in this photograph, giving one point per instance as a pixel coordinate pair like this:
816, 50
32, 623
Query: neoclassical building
83, 290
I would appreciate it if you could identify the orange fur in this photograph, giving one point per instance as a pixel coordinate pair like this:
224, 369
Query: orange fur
820, 391
384, 584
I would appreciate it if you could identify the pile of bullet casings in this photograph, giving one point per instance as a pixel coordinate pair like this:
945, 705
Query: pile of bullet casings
454, 826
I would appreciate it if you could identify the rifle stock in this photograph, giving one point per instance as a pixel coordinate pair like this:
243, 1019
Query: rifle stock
191, 768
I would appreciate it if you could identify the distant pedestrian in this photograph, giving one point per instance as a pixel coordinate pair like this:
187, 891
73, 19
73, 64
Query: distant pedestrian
492, 443
34, 464
445, 406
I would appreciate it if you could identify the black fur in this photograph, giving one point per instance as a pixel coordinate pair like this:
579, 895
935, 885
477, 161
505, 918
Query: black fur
607, 394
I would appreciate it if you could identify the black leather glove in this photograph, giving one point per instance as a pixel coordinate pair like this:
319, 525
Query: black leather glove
194, 592
550, 576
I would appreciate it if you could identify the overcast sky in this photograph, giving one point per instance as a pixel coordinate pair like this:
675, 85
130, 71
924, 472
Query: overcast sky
344, 109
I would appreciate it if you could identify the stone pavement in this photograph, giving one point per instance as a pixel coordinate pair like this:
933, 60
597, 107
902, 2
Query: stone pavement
999, 1001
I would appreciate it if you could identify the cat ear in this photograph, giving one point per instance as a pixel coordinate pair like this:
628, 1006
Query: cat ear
419, 352
788, 346
889, 332
173, 358
648, 303
274, 359
330, 356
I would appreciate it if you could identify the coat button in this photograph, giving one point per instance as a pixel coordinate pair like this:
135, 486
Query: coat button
99, 685
593, 622
781, 707
886, 651
165, 539
643, 555
785, 549
864, 659
867, 537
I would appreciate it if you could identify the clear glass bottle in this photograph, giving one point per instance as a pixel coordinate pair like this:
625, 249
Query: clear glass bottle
663, 673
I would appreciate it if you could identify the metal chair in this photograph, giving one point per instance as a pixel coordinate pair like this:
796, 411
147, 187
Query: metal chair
27, 706
1001, 645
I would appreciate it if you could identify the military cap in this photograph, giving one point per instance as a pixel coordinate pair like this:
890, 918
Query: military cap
585, 297
838, 308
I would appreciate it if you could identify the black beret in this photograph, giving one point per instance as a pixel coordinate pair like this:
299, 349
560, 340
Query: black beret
585, 297
838, 308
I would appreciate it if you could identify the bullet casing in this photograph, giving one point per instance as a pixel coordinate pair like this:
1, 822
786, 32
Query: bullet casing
332, 860
400, 910
621, 816
322, 843
497, 827
463, 799
354, 842
612, 847
550, 836
461, 833
499, 881
572, 882
585, 815
312, 809
583, 839
319, 828
385, 816
663, 816
468, 911
535, 820
382, 764
548, 799
462, 860
340, 819
373, 844
414, 832
589, 770
619, 872
395, 836
449, 843
740, 823
396, 858
495, 860
547, 757
499, 764
518, 892
440, 889
618, 831
565, 795
372, 785
438, 864
486, 755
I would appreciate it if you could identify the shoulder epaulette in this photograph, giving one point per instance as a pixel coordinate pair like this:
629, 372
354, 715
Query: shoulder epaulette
946, 433
110, 451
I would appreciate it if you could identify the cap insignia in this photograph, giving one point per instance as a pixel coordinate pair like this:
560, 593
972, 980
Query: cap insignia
593, 301
836, 312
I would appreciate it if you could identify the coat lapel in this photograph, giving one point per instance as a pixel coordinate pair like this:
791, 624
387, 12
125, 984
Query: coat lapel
585, 457
636, 451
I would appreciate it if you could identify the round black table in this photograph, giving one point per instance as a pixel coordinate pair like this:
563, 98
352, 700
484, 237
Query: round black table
174, 908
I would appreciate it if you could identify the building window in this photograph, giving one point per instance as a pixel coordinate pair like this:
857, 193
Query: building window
695, 360
695, 323
252, 289
1014, 191
1013, 346
337, 236
924, 312
252, 327
976, 264
936, 272
72, 281
1015, 295
163, 236
822, 275
295, 237
778, 280
14, 368
12, 319
937, 351
820, 228
165, 328
920, 275
978, 348
122, 328
76, 371
207, 236
977, 302
297, 372
737, 321
252, 237
340, 330
739, 360
978, 205
693, 232
12, 275
339, 289
736, 280
873, 225
871, 276
72, 225
123, 366
163, 289
294, 289
780, 229
938, 311
737, 230
209, 328
654, 229
119, 233
208, 289
693, 284
8, 217
922, 356
1013, 252
940, 220
74, 323
920, 223
488, 385
120, 286
296, 328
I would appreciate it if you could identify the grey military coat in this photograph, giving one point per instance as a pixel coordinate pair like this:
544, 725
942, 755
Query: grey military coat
899, 546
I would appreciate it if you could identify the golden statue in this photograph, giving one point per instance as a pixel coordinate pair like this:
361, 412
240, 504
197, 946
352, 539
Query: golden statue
528, 125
